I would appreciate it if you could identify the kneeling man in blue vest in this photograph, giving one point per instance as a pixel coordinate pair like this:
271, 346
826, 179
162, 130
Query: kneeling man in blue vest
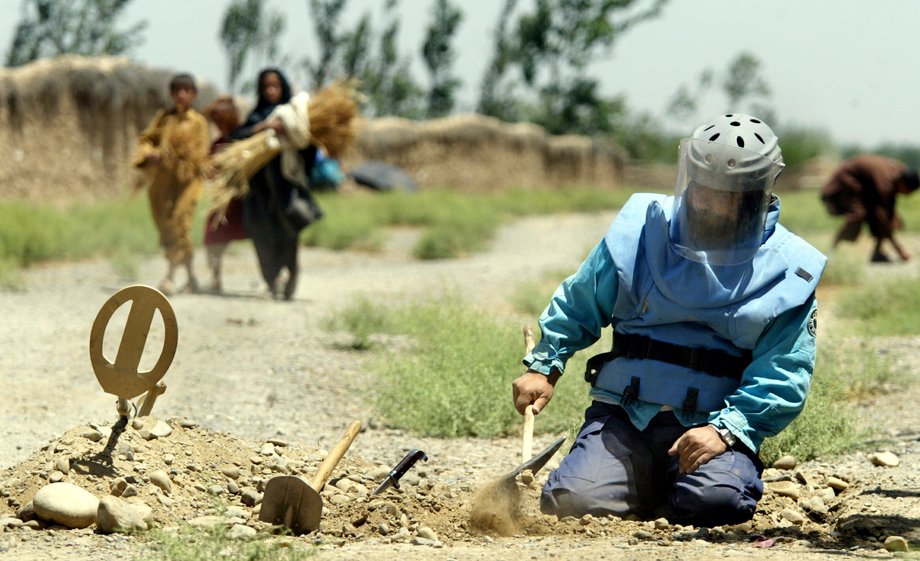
712, 305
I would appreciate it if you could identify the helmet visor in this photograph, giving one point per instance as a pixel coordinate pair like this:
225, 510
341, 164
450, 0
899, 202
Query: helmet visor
721, 201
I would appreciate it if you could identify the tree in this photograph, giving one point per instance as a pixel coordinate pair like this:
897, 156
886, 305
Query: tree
49, 28
247, 30
325, 15
496, 91
439, 56
552, 47
387, 77
741, 82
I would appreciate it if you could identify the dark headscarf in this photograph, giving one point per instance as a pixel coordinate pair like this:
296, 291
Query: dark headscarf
263, 106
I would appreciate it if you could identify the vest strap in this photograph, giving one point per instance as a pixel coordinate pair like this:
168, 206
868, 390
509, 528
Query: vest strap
711, 361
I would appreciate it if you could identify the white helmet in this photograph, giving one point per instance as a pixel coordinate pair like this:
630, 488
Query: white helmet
725, 178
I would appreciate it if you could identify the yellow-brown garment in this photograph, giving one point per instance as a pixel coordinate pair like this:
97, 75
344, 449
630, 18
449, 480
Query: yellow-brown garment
175, 185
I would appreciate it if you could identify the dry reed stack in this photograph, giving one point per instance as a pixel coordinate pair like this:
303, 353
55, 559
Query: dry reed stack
332, 117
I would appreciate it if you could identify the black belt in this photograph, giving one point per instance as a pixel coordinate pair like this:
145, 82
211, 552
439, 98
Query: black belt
711, 361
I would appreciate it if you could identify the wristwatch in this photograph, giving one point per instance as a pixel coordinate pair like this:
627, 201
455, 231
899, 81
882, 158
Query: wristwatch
726, 435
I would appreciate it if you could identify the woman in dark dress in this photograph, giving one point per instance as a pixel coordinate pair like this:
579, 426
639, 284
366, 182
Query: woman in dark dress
270, 192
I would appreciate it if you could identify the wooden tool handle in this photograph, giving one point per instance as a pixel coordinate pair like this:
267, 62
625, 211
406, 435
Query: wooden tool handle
332, 460
527, 437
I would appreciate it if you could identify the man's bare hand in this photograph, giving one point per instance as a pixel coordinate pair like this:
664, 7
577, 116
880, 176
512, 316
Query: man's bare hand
533, 388
696, 447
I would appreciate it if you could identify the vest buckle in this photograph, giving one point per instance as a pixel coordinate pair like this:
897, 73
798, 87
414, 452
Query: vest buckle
689, 405
630, 392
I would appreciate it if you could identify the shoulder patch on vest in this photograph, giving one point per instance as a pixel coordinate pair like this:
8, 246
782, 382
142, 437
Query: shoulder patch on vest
813, 323
804, 274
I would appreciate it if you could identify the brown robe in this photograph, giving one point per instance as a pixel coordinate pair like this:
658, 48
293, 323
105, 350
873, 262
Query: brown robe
863, 189
175, 185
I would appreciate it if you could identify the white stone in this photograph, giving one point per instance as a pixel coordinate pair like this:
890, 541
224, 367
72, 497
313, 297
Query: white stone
884, 459
66, 504
118, 515
241, 532
161, 479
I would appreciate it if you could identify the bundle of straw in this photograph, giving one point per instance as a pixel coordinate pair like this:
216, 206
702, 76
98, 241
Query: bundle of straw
331, 110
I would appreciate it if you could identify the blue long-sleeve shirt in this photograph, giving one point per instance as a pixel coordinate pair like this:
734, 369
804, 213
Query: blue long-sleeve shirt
773, 387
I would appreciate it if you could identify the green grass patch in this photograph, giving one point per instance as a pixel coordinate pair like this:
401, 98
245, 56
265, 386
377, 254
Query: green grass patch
206, 544
883, 308
531, 297
32, 233
453, 377
455, 224
844, 268
846, 372
361, 320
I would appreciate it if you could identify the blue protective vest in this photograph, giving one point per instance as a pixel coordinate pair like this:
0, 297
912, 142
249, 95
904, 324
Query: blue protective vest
669, 298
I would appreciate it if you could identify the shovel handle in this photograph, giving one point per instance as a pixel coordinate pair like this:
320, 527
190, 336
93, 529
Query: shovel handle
527, 437
325, 469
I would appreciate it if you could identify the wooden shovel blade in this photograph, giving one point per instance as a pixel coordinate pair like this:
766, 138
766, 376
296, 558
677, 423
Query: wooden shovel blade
291, 502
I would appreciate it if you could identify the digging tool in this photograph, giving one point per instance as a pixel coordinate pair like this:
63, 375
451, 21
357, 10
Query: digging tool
528, 460
292, 502
123, 377
392, 480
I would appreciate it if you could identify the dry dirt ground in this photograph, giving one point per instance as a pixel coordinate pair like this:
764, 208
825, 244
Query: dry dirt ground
258, 389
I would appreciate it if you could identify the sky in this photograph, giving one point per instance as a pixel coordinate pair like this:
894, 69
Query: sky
847, 67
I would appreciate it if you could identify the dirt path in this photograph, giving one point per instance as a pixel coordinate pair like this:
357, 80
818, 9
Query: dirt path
252, 370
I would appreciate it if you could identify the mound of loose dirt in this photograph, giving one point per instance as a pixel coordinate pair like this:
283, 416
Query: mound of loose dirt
215, 478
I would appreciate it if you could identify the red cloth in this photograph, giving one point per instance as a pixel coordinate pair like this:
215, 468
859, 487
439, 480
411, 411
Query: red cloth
228, 230
231, 228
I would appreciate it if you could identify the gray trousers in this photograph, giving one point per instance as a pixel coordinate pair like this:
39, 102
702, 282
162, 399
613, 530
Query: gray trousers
615, 469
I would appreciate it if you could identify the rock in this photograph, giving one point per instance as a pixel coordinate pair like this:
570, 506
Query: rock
118, 515
427, 533
130, 491
66, 504
352, 487
896, 543
250, 497
340, 499
56, 476
814, 504
10, 522
161, 429
793, 516
209, 521
168, 459
230, 471
241, 532
161, 479
837, 484
661, 523
884, 459
268, 449
785, 463
26, 512
236, 512
118, 486
785, 489
92, 435
62, 465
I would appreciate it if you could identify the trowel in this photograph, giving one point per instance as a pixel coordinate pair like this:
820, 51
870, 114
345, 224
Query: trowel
292, 502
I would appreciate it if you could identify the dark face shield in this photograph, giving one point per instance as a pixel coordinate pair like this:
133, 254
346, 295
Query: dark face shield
721, 202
